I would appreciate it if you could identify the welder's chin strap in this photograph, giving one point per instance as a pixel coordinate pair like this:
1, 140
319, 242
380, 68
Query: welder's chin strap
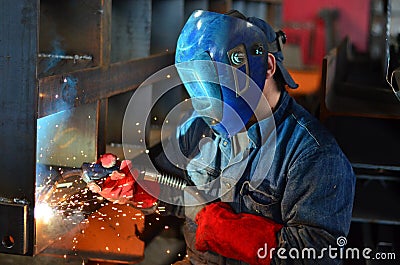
238, 236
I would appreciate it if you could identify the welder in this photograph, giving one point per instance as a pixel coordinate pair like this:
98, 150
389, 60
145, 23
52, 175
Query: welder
279, 179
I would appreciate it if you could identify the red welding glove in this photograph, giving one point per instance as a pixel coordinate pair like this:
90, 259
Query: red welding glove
121, 185
238, 236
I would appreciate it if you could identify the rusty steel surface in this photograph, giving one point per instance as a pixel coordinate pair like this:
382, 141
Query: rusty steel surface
131, 29
105, 32
69, 28
97, 83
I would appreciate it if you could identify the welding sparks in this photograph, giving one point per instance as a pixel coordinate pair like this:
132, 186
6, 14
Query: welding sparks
70, 203
43, 213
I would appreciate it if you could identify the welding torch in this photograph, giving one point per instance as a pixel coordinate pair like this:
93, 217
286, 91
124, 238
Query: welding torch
94, 171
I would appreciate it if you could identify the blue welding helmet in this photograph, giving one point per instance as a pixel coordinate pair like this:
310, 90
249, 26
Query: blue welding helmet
222, 61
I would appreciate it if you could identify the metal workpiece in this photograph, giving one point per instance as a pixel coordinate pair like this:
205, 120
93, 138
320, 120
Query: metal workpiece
14, 229
75, 57
18, 101
70, 38
98, 82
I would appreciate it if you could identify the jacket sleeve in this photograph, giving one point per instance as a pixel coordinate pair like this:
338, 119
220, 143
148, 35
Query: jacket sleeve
316, 207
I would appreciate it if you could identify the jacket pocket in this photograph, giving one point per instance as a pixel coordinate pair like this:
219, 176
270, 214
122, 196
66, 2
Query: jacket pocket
261, 202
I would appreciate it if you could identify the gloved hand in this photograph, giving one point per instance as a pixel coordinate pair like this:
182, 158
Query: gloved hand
235, 235
121, 186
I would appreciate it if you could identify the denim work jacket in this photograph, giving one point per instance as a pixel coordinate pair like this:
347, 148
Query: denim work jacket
292, 172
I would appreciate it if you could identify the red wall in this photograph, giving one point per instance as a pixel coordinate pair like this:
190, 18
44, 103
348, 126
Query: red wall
353, 21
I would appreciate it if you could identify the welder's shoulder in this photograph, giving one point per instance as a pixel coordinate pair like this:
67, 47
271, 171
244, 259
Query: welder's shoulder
309, 131
312, 142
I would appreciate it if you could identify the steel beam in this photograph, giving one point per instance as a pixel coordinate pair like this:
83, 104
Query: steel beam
18, 101
97, 83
